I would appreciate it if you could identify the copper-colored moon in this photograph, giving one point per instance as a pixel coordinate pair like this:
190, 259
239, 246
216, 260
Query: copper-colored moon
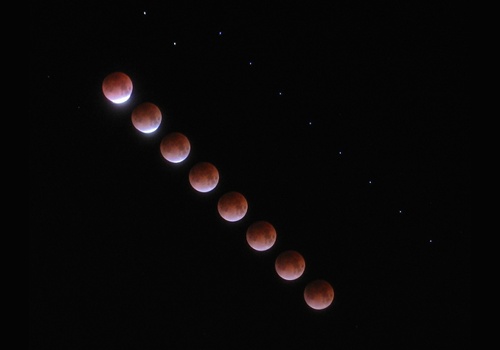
175, 147
318, 294
261, 235
232, 206
146, 117
204, 177
117, 87
290, 265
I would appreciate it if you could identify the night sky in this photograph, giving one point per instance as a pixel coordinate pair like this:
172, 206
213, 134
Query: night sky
344, 124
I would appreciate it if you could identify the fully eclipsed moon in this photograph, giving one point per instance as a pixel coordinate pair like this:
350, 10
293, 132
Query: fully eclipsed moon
232, 206
318, 294
290, 265
146, 117
203, 177
175, 147
261, 235
117, 87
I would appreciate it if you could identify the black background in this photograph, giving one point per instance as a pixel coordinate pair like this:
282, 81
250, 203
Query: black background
361, 164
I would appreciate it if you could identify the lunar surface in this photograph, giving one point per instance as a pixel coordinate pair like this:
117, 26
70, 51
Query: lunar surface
318, 294
117, 87
232, 206
204, 177
290, 265
146, 117
175, 147
261, 235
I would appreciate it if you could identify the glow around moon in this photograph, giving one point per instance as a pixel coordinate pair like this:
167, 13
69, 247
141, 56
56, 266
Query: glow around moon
232, 206
117, 87
290, 265
204, 177
175, 147
146, 117
318, 294
261, 235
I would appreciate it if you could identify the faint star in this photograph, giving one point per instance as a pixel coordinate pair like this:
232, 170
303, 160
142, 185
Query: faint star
400, 211
250, 63
175, 43
220, 33
340, 152
430, 240
280, 93
144, 13
369, 181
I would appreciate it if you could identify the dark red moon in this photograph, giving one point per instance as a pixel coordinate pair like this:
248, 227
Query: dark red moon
261, 235
318, 294
204, 177
117, 87
290, 265
232, 206
175, 147
146, 117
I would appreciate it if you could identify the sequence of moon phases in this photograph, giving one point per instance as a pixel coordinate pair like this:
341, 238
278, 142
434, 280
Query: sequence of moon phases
290, 265
261, 235
146, 117
175, 147
318, 294
232, 206
203, 177
117, 87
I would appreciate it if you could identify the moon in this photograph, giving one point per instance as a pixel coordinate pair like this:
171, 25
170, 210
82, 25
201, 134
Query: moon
290, 265
175, 147
232, 206
146, 117
318, 294
261, 235
204, 177
117, 87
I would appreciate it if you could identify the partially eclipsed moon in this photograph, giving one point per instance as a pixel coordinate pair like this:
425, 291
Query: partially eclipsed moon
175, 147
290, 265
232, 206
146, 117
319, 294
117, 87
204, 177
261, 235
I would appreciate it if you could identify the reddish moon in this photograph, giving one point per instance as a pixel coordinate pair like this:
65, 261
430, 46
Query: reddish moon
146, 117
204, 177
290, 265
232, 206
175, 147
117, 87
318, 294
261, 235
